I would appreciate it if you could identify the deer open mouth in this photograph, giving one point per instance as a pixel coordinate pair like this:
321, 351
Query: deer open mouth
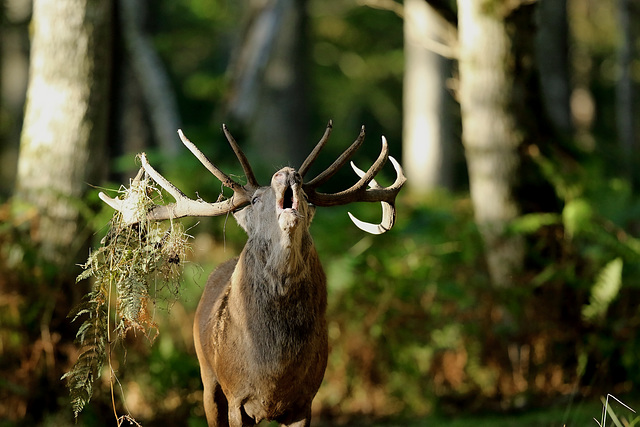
288, 200
287, 208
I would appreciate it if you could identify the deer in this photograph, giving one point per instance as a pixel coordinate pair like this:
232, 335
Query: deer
260, 331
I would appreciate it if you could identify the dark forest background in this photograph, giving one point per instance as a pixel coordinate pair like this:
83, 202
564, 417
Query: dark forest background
510, 283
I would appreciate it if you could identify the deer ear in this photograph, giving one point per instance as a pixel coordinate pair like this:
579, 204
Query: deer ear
241, 218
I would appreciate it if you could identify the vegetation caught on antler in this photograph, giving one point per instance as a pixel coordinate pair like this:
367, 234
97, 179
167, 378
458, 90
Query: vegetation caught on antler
134, 264
92, 337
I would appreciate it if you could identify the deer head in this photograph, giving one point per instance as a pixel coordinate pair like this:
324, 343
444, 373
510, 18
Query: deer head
293, 200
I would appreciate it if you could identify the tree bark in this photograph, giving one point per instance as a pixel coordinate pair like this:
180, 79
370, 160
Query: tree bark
427, 139
552, 56
490, 132
151, 77
269, 91
626, 107
65, 118
14, 66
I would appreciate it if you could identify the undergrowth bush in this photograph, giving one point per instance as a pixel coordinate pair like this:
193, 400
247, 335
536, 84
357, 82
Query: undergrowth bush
415, 326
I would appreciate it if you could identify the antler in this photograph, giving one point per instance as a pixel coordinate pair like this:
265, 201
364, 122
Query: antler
183, 205
359, 191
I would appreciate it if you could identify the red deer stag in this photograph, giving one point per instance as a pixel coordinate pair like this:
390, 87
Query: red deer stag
260, 331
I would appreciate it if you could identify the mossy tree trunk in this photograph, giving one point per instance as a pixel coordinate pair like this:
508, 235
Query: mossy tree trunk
65, 121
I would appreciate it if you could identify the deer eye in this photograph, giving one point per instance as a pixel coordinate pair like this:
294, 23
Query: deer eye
255, 200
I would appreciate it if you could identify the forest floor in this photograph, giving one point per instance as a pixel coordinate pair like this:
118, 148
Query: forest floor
583, 414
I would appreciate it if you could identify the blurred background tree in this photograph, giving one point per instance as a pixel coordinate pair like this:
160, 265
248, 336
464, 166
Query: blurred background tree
268, 88
429, 141
65, 121
61, 146
491, 132
510, 280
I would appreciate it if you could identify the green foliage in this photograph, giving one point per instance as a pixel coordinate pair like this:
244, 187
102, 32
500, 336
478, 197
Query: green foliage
92, 337
399, 304
133, 261
533, 222
360, 71
577, 216
593, 240
605, 289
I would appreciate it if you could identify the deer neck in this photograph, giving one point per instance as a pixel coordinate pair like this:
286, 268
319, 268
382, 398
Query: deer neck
283, 287
279, 260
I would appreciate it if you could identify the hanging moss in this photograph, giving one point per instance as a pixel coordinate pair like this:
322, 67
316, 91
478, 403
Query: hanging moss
132, 263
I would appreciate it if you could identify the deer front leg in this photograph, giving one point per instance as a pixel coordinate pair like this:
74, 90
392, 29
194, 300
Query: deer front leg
215, 405
235, 416
304, 422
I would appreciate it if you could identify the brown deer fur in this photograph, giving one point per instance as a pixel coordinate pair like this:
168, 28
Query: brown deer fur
260, 330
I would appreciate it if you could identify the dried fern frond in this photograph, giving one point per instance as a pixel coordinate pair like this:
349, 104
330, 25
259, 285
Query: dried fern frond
92, 337
131, 260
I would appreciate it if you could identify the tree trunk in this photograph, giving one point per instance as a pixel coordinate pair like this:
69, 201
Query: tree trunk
14, 66
269, 91
65, 118
626, 109
552, 56
427, 140
150, 77
490, 133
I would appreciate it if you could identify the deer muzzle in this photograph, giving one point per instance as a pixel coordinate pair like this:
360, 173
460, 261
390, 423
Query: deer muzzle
286, 184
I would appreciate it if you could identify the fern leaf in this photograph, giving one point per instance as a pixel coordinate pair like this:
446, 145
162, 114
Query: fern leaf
531, 223
92, 337
132, 257
604, 291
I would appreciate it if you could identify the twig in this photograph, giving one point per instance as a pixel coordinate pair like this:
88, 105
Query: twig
603, 421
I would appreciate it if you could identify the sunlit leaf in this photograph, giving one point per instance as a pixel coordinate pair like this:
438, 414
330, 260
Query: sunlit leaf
576, 216
604, 290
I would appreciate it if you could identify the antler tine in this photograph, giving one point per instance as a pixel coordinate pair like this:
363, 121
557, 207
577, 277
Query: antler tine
335, 167
353, 193
314, 154
183, 205
360, 193
246, 167
388, 208
127, 209
223, 177
377, 193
